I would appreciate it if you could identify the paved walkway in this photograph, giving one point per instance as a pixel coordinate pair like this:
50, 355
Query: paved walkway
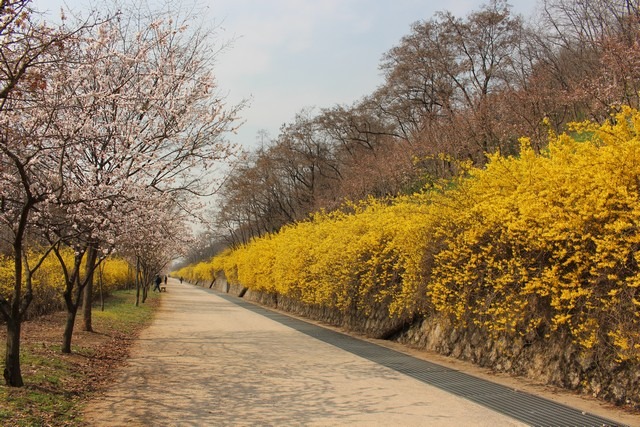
208, 361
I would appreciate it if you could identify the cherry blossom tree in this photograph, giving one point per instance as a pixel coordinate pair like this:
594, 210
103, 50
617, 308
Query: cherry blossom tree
95, 124
146, 119
32, 55
154, 233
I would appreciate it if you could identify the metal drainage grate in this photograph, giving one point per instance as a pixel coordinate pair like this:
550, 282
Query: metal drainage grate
527, 408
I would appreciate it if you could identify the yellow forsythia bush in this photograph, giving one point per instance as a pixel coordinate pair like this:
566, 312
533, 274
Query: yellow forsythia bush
6, 276
536, 244
199, 273
345, 260
48, 280
551, 241
115, 273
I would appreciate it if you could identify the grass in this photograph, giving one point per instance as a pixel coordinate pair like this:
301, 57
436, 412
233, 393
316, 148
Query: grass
120, 313
56, 384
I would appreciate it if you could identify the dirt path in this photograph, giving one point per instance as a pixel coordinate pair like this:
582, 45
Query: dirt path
208, 362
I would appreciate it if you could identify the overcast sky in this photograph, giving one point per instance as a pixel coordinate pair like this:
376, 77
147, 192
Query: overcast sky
293, 54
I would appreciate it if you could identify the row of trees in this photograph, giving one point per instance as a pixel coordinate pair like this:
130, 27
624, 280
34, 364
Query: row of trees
108, 127
455, 89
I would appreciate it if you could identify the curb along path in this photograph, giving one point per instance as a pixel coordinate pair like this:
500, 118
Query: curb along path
210, 359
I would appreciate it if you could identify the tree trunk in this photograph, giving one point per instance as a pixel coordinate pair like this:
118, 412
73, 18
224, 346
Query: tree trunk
13, 316
146, 280
12, 372
68, 329
72, 298
100, 287
87, 296
129, 284
138, 281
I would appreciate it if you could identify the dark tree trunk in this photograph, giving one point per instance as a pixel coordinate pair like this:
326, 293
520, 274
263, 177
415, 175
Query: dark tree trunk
146, 280
138, 282
68, 329
72, 310
72, 298
100, 288
87, 295
12, 312
12, 371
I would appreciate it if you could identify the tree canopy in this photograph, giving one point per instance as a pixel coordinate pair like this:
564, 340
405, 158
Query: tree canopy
455, 89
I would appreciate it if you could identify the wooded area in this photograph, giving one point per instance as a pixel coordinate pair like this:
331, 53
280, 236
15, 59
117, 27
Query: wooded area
456, 89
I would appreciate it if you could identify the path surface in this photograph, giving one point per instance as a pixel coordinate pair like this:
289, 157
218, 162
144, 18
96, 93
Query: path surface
206, 361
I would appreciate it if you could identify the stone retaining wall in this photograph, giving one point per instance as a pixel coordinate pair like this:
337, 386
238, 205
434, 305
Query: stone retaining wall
555, 361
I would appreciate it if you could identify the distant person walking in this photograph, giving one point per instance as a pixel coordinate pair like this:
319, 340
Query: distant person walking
157, 282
